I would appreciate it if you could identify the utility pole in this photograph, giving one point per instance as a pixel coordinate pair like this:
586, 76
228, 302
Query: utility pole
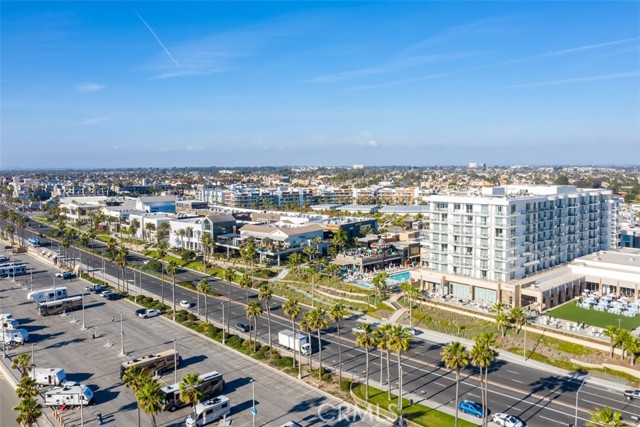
121, 336
223, 332
84, 328
175, 362
400, 420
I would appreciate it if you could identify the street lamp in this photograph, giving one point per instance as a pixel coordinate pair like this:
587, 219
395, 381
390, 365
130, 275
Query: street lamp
577, 394
81, 407
223, 332
254, 412
121, 336
400, 421
84, 328
524, 349
175, 362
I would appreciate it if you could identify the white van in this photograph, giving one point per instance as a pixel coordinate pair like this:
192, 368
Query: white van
209, 411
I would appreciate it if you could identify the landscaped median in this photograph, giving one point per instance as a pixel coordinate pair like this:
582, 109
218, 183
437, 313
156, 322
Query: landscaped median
414, 414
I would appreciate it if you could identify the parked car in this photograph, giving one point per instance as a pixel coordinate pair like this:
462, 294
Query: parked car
506, 420
291, 424
96, 289
412, 331
65, 274
112, 296
359, 330
186, 304
139, 311
632, 394
105, 292
472, 408
242, 327
150, 312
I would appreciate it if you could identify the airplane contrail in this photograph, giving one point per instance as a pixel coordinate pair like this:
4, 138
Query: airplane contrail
158, 40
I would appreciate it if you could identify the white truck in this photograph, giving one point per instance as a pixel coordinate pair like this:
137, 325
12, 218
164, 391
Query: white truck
209, 411
48, 376
70, 394
298, 342
50, 294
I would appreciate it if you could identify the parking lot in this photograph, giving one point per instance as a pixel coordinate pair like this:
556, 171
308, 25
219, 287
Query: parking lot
60, 341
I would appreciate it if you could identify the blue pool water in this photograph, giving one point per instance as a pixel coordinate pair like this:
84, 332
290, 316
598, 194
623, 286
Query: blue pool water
401, 277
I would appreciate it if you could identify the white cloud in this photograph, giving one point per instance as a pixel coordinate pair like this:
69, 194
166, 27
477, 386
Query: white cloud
92, 121
89, 87
579, 80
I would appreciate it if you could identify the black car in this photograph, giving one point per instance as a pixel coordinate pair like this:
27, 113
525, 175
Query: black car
112, 296
242, 327
140, 311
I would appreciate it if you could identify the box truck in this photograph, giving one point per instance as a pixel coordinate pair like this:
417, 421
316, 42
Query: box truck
297, 343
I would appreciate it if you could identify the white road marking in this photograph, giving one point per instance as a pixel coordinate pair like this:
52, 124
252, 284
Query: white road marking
549, 419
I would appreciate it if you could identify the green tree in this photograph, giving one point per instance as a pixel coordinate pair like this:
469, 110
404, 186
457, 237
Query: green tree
26, 388
172, 269
292, 309
503, 322
336, 313
248, 252
134, 378
203, 288
339, 240
518, 317
613, 333
265, 294
606, 417
399, 342
29, 410
150, 398
295, 260
23, 364
121, 260
190, 392
149, 228
253, 310
561, 179
455, 357
207, 242
366, 339
379, 282
482, 355
245, 283
318, 321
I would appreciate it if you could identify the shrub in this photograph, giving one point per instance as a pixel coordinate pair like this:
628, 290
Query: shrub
285, 362
153, 266
345, 385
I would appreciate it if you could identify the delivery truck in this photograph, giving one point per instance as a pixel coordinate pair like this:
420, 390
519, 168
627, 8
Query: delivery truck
297, 342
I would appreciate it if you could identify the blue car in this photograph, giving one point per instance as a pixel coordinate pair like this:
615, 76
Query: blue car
473, 408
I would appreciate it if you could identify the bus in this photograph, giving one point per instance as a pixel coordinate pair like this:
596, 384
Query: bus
60, 306
154, 364
13, 269
212, 384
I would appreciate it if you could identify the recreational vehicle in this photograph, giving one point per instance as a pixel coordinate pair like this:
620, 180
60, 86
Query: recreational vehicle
49, 294
18, 336
154, 364
48, 376
12, 269
209, 411
70, 394
60, 306
212, 384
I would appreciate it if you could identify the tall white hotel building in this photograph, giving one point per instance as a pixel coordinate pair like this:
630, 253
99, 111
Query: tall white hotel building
483, 242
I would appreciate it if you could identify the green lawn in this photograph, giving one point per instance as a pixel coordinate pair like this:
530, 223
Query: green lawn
599, 319
420, 414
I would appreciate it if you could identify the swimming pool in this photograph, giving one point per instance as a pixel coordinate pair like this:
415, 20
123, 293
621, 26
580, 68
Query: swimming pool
401, 277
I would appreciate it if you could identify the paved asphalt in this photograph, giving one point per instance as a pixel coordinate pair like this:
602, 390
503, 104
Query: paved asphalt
59, 341
8, 400
540, 397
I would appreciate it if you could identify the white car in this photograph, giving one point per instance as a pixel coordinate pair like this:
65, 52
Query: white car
186, 304
506, 420
149, 313
359, 330
411, 331
291, 424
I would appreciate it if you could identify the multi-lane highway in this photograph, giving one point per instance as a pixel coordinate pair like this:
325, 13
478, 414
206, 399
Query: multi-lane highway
541, 396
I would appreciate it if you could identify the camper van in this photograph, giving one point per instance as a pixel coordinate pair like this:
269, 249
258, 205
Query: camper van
212, 384
11, 324
60, 306
209, 411
49, 294
12, 269
154, 364
48, 376
70, 394
17, 336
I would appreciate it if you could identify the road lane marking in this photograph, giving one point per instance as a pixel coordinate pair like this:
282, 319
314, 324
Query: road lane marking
513, 372
517, 381
550, 419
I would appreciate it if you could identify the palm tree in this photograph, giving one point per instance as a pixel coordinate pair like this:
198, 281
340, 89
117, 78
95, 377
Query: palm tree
624, 339
518, 317
134, 378
172, 269
295, 259
379, 282
317, 320
340, 239
182, 232
203, 288
254, 309
207, 241
266, 294
455, 357
189, 234
612, 333
245, 283
310, 251
29, 410
248, 252
482, 356
121, 260
503, 322
162, 249
65, 243
399, 342
605, 417
292, 309
499, 307
366, 339
23, 364
190, 392
150, 398
163, 230
27, 387
633, 347
383, 337
112, 248
336, 313
228, 274
11, 229
149, 227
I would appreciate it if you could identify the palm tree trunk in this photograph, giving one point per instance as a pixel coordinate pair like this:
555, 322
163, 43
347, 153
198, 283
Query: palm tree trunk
162, 282
269, 326
138, 406
293, 326
206, 312
310, 363
457, 393
399, 379
319, 356
255, 334
388, 375
174, 297
486, 396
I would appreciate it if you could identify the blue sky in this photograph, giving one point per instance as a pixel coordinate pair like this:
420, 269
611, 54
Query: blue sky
119, 84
